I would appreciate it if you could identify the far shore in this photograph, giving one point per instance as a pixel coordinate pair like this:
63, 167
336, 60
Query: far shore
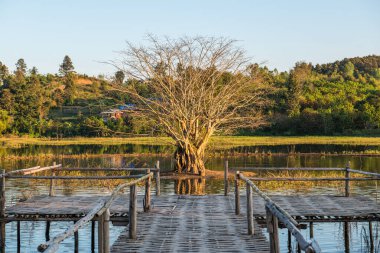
216, 141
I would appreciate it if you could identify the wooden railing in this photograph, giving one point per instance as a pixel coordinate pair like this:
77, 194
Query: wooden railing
347, 176
101, 210
274, 213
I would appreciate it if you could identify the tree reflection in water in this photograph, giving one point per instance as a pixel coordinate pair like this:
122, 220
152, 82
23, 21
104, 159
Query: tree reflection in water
193, 186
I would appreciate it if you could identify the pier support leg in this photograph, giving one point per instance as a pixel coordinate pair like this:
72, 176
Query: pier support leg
76, 241
249, 210
100, 234
290, 242
237, 194
106, 231
311, 230
272, 224
93, 236
47, 231
346, 237
18, 237
132, 212
372, 246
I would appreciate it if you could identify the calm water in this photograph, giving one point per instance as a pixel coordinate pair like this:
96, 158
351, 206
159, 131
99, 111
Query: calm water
329, 235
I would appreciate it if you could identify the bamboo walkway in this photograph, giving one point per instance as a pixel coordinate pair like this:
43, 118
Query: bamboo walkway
178, 223
192, 224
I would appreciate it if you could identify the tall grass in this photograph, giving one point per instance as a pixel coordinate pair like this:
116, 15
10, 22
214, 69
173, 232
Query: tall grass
216, 141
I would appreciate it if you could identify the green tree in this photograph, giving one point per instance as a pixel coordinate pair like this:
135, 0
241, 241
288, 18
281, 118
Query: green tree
119, 77
20, 68
298, 78
34, 71
70, 88
3, 72
66, 67
5, 121
348, 70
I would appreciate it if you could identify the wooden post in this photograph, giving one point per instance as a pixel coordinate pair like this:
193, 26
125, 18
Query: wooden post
249, 210
158, 179
18, 237
132, 212
52, 182
272, 225
289, 241
2, 212
76, 241
237, 194
226, 186
92, 236
347, 188
106, 231
100, 234
346, 237
372, 246
147, 193
47, 231
311, 228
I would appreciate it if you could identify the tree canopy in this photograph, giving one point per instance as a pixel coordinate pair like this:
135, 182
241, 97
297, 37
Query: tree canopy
196, 86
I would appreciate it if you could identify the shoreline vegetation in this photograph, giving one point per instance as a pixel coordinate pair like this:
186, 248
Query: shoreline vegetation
219, 146
216, 141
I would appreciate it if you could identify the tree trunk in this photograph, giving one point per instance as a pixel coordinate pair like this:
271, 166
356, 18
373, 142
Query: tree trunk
189, 160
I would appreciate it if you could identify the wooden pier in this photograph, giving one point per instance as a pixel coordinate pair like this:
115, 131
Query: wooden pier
177, 223
192, 224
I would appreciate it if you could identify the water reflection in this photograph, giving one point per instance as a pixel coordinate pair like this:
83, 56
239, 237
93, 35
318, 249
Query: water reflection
195, 186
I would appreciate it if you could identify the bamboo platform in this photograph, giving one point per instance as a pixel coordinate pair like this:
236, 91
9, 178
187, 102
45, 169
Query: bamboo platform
61, 208
196, 223
322, 208
303, 208
192, 224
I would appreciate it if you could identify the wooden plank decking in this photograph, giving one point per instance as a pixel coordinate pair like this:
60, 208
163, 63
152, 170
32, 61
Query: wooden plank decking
322, 207
192, 224
65, 208
303, 207
197, 223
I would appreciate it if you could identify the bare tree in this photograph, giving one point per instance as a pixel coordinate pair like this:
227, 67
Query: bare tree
196, 86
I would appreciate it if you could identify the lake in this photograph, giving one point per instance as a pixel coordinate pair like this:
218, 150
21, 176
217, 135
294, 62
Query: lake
329, 235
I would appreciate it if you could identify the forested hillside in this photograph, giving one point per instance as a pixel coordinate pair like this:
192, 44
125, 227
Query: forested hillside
339, 98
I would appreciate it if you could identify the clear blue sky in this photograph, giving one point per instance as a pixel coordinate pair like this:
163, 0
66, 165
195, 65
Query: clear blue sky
277, 32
